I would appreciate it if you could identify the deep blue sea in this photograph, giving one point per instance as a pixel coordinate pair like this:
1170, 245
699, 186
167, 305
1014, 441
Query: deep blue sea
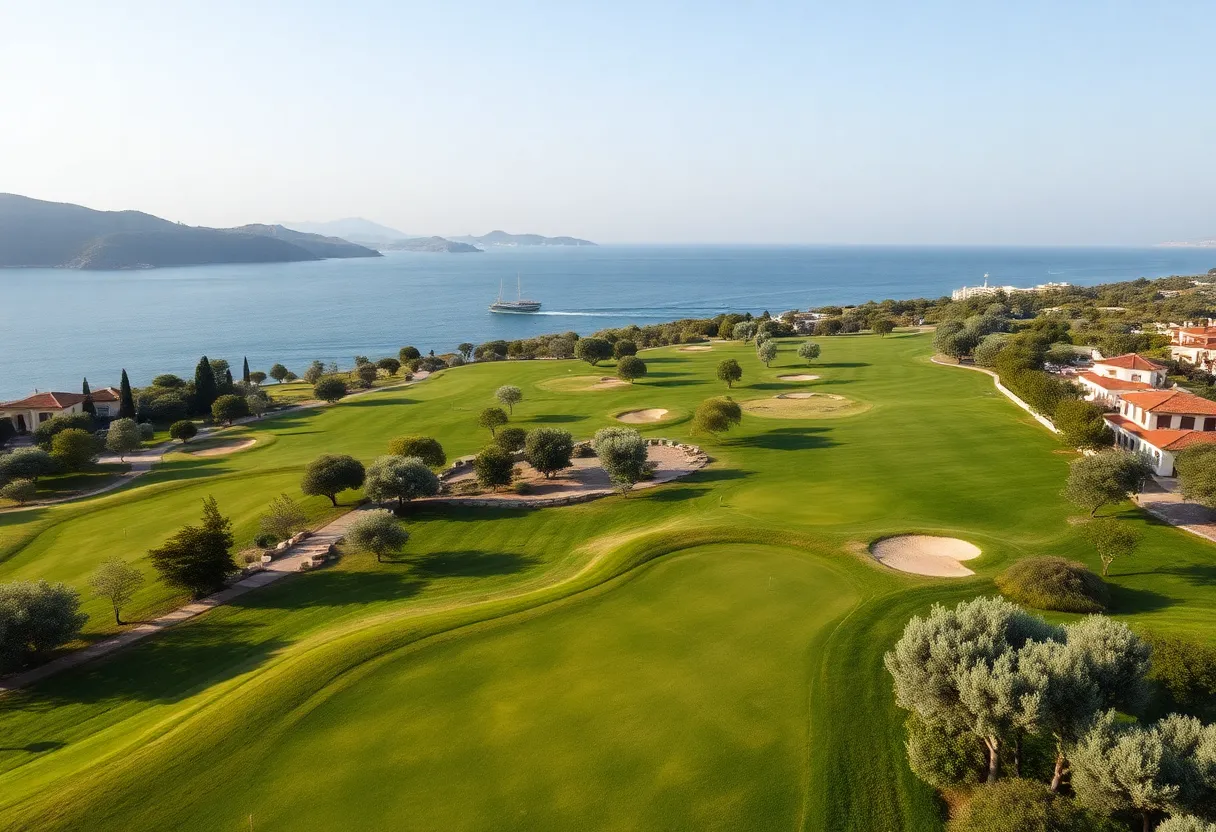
59, 325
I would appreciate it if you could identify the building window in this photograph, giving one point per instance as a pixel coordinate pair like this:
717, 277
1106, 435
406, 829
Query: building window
42, 417
1135, 376
1164, 421
1186, 423
1209, 423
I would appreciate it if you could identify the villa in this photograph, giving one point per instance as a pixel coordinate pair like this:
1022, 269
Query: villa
1159, 423
1194, 345
1110, 378
28, 413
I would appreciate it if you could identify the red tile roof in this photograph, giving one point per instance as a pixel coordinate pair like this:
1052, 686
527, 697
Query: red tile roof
1162, 439
1131, 361
56, 401
105, 394
1108, 383
1172, 401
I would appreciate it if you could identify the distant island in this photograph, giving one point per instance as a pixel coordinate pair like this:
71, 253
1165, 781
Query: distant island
434, 244
1209, 243
502, 238
39, 234
368, 233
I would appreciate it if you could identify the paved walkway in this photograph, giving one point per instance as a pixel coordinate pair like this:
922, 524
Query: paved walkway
1161, 499
318, 544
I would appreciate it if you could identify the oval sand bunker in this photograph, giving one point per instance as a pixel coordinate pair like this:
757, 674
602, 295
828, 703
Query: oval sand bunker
229, 447
798, 377
923, 554
635, 417
695, 349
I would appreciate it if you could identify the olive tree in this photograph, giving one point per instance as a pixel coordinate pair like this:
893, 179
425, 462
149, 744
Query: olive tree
808, 351
1018, 805
622, 455
228, 408
256, 404
183, 430
423, 447
958, 669
1112, 538
1123, 768
492, 418
549, 450
279, 373
883, 327
511, 439
401, 479
493, 467
116, 581
1105, 478
331, 474
593, 350
36, 617
389, 365
717, 415
743, 331
283, 518
74, 449
376, 532
729, 371
509, 395
122, 438
1185, 823
329, 389
624, 348
767, 351
630, 368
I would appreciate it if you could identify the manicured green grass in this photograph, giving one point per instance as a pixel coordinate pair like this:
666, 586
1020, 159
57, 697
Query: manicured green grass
703, 655
56, 486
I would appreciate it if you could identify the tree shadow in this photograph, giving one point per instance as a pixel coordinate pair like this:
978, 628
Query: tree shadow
673, 495
1124, 599
787, 439
1196, 574
718, 475
665, 375
676, 382
556, 418
369, 401
845, 364
469, 563
337, 588
36, 747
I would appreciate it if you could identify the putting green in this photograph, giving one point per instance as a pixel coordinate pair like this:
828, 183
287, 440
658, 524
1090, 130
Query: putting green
582, 384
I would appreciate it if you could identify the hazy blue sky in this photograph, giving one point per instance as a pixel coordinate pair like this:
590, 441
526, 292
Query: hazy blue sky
843, 122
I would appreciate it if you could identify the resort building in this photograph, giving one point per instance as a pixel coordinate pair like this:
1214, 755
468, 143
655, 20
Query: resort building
983, 291
28, 413
1194, 345
1110, 378
1159, 423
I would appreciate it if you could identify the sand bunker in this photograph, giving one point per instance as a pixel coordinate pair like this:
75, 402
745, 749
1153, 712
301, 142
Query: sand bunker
923, 554
578, 384
804, 406
635, 417
695, 349
798, 377
231, 446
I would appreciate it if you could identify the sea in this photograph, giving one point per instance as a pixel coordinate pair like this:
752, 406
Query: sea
59, 325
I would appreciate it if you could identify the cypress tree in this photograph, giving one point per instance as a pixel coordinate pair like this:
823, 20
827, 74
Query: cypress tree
228, 380
204, 386
126, 402
87, 405
245, 371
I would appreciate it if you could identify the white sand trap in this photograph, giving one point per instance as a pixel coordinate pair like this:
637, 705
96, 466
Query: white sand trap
798, 377
695, 349
224, 448
794, 395
609, 381
635, 417
923, 554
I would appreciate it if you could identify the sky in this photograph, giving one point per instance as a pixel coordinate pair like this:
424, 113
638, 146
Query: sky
1029, 123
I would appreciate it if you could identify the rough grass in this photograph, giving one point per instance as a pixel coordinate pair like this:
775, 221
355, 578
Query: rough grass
707, 654
1051, 583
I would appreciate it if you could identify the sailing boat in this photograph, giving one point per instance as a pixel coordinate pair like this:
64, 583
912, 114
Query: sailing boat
518, 305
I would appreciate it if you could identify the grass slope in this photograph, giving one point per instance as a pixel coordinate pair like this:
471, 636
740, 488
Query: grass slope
703, 655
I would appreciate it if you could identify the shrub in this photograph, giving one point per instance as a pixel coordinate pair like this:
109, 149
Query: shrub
19, 491
630, 368
549, 450
46, 432
367, 374
622, 453
493, 467
1081, 424
74, 449
229, 407
147, 431
522, 488
1017, 805
408, 354
329, 389
1197, 474
183, 431
943, 759
717, 415
623, 348
423, 447
1051, 583
282, 519
593, 350
1185, 667
26, 464
389, 365
122, 437
511, 439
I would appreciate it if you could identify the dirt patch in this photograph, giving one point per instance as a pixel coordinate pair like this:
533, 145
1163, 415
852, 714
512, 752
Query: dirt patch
923, 554
695, 349
580, 384
798, 377
804, 406
636, 417
221, 448
586, 476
